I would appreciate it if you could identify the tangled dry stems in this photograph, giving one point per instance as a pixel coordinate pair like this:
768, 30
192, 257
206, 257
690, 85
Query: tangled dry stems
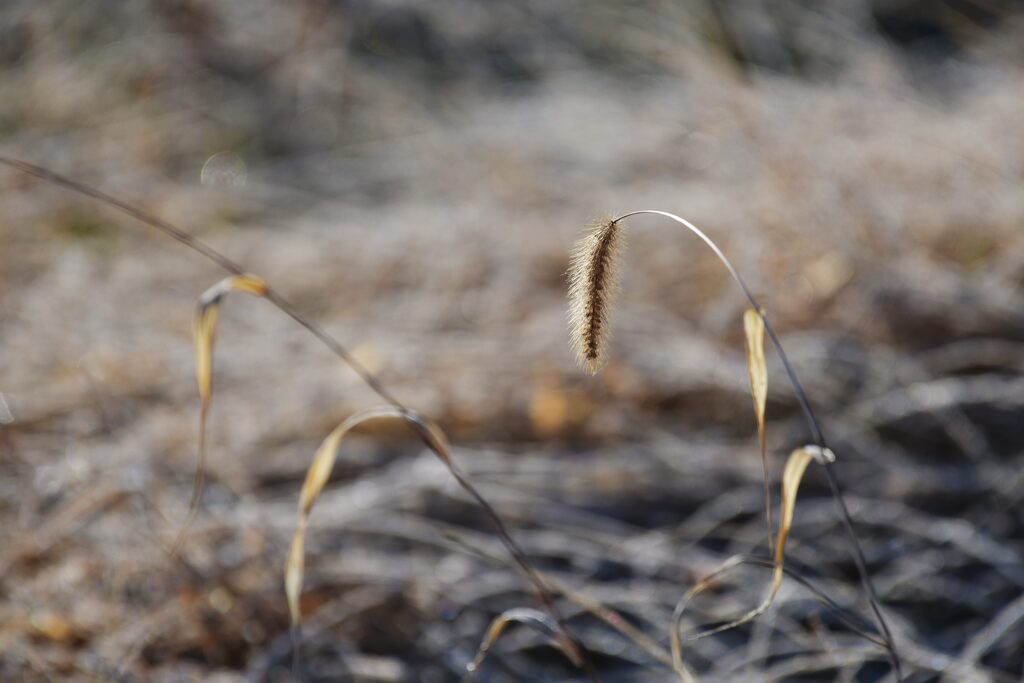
1001, 631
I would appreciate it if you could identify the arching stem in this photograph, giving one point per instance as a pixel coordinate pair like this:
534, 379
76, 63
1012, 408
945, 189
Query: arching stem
813, 425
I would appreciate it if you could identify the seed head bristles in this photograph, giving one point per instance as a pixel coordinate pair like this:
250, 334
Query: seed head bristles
592, 285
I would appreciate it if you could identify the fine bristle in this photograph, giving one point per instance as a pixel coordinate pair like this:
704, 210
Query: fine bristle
592, 284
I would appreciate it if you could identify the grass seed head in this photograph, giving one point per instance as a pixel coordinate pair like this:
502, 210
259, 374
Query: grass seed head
592, 285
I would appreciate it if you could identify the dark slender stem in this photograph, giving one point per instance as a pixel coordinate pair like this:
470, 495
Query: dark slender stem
163, 226
862, 567
543, 590
813, 425
798, 389
335, 346
848, 616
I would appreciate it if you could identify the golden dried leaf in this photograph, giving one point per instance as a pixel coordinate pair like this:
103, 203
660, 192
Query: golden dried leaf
203, 332
536, 620
319, 473
52, 627
796, 465
206, 325
757, 369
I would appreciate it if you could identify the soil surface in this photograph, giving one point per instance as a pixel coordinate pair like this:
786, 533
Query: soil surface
413, 177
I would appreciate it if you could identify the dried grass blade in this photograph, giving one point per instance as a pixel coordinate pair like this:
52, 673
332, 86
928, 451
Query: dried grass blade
615, 621
434, 438
793, 474
319, 473
796, 466
609, 616
430, 433
757, 369
204, 329
535, 619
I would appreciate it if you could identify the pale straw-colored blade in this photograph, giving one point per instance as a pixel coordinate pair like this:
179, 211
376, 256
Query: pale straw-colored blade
535, 619
319, 473
757, 369
203, 332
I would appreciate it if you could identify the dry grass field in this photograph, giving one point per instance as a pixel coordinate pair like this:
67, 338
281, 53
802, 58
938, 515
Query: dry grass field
413, 176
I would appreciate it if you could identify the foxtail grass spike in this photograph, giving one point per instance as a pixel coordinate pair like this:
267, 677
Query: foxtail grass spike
592, 285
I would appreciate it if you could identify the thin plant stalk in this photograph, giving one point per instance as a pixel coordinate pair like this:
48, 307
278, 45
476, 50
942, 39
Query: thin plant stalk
813, 425
544, 593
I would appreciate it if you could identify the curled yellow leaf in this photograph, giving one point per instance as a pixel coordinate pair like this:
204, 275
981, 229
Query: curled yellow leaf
204, 328
319, 473
205, 325
535, 619
796, 465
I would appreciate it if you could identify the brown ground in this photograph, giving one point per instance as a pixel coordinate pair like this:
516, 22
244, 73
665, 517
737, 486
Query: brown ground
415, 180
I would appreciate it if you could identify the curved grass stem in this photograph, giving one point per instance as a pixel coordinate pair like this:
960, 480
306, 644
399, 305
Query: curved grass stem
812, 423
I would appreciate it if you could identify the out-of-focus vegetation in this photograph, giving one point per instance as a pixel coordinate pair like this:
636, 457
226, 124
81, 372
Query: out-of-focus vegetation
412, 175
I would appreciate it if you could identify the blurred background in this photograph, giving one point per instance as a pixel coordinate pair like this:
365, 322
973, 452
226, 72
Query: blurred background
413, 176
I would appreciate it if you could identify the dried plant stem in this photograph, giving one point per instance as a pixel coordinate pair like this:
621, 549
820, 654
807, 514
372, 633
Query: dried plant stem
198, 483
857, 623
813, 425
544, 593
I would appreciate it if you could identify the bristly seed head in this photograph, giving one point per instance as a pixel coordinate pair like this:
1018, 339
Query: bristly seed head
592, 284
